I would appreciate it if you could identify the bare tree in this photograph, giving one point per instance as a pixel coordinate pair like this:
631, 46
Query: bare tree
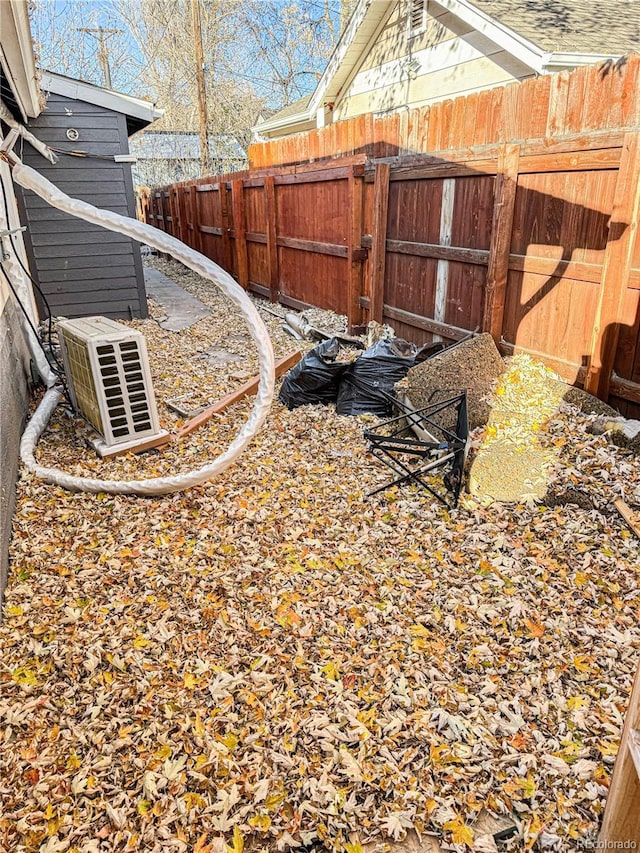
163, 31
290, 43
257, 53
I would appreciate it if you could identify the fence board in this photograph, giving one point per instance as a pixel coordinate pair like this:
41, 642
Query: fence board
271, 215
378, 255
354, 257
578, 83
616, 267
239, 227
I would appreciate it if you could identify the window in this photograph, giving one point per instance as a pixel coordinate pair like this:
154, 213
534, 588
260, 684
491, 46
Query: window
417, 16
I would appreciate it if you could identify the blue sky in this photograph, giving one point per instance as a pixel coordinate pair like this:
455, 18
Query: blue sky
64, 49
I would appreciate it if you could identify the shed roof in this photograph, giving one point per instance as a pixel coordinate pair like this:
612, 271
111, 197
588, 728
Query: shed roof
18, 85
139, 113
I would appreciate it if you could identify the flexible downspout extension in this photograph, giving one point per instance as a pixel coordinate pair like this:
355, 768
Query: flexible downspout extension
41, 147
17, 277
143, 233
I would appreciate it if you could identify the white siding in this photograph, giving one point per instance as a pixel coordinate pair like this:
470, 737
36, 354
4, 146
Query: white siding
445, 61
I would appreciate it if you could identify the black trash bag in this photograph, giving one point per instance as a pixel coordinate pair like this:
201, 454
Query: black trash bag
314, 379
367, 384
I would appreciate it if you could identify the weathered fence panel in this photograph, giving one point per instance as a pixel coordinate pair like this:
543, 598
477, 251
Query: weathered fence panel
534, 240
587, 99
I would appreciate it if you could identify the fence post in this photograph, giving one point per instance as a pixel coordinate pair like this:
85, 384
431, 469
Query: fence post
621, 820
616, 267
239, 227
176, 218
167, 209
225, 226
354, 250
142, 204
173, 211
184, 197
498, 265
198, 243
272, 235
170, 216
161, 210
378, 257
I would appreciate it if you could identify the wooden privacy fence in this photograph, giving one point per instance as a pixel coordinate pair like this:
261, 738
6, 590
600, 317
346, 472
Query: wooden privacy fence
535, 242
552, 105
294, 236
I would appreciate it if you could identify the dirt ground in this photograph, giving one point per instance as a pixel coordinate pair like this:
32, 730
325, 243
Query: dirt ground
276, 660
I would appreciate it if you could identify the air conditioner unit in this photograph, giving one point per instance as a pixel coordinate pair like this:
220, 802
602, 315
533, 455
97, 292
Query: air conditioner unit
109, 379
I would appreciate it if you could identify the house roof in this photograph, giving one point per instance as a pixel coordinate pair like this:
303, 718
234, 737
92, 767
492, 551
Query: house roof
294, 113
17, 63
139, 113
575, 26
293, 109
182, 145
365, 19
544, 34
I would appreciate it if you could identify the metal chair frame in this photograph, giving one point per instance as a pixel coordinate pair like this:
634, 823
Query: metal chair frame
443, 448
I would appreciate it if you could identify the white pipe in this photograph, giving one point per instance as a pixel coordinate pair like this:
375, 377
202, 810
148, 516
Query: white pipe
40, 147
143, 233
18, 278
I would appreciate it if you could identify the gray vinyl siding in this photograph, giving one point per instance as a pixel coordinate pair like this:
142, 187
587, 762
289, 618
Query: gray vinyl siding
83, 269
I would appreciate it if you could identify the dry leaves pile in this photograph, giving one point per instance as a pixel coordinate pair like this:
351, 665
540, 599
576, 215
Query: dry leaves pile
517, 452
275, 659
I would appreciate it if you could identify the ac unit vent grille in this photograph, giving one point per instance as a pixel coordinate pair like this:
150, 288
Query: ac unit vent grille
82, 377
109, 373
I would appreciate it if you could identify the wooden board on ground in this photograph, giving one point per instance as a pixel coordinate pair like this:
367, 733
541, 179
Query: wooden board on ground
240, 393
632, 518
497, 827
155, 442
621, 821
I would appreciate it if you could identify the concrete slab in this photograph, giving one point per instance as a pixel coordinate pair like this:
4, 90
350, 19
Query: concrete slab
183, 309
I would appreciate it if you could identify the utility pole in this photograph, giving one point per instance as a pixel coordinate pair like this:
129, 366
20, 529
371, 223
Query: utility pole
99, 33
202, 96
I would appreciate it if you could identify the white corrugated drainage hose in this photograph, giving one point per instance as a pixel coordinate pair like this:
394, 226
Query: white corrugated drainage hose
9, 223
143, 233
41, 147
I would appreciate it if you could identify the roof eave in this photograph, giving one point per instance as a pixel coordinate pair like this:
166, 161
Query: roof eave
366, 19
558, 60
143, 112
287, 121
363, 22
517, 45
18, 61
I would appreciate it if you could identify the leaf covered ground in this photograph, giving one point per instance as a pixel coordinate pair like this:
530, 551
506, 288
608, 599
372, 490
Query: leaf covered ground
277, 660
